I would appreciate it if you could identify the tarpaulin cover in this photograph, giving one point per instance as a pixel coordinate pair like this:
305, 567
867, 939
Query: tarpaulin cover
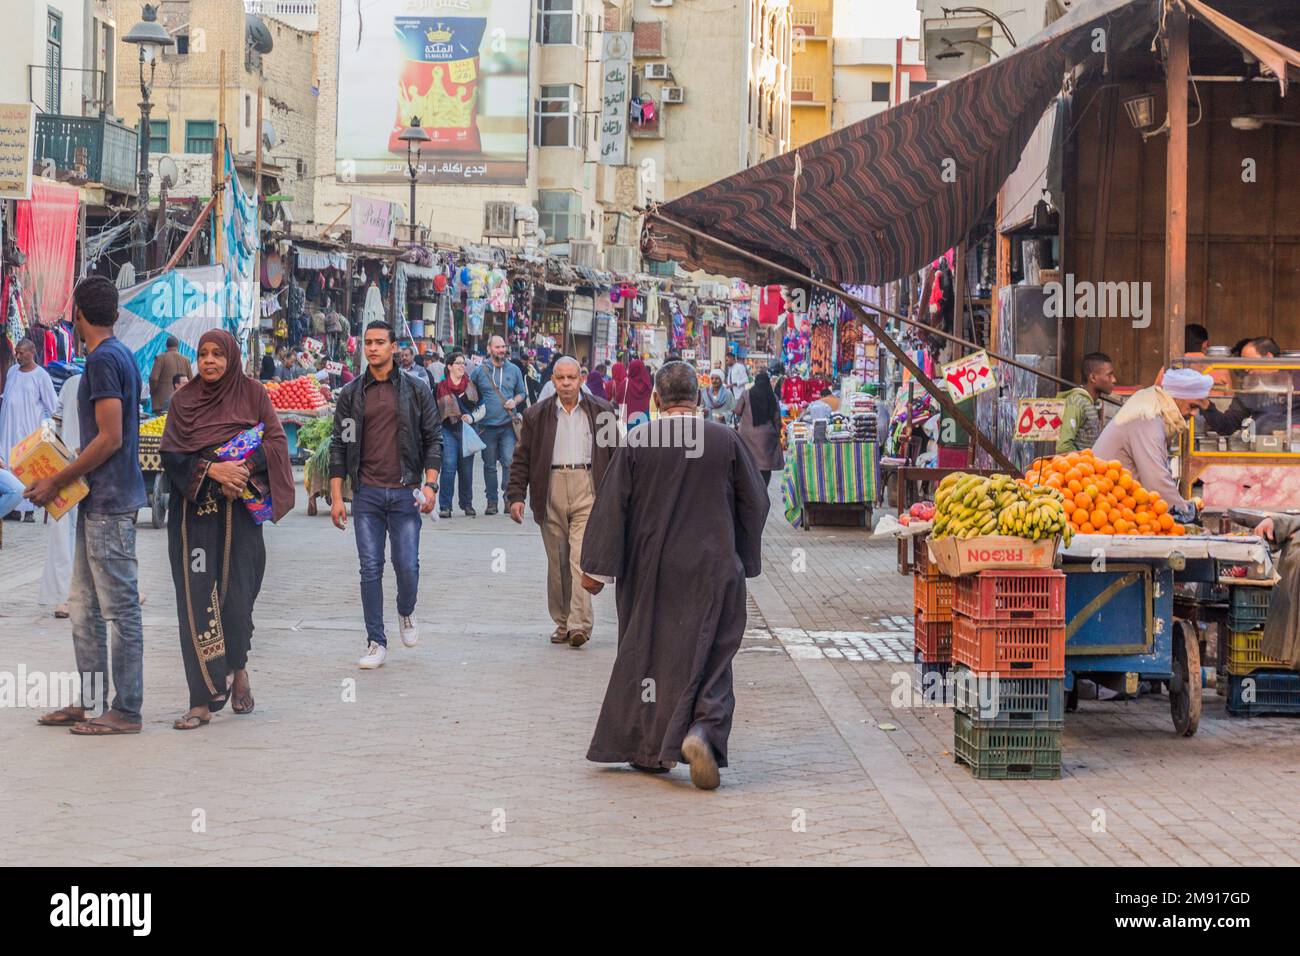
881, 198
181, 302
46, 229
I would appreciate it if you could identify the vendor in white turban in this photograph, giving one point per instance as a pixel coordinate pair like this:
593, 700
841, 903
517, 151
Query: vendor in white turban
1146, 430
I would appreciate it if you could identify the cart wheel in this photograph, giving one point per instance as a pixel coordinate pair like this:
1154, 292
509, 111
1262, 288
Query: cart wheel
1185, 685
158, 500
311, 506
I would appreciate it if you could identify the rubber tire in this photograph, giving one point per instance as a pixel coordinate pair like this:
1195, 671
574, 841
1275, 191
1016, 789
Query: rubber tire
1185, 685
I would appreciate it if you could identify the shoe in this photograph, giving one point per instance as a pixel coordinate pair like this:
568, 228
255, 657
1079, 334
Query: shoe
60, 611
577, 638
644, 769
490, 509
470, 512
375, 654
704, 766
410, 629
444, 512
559, 636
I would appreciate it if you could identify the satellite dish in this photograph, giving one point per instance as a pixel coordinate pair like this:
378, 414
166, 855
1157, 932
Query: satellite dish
269, 136
168, 171
258, 36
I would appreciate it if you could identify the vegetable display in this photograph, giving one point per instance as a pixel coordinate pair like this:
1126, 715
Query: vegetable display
299, 394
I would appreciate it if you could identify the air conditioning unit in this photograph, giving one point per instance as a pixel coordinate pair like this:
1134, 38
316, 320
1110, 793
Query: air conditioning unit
498, 220
623, 259
658, 71
661, 3
674, 94
582, 252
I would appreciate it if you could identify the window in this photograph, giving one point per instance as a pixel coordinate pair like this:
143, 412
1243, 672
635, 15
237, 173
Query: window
159, 136
557, 113
880, 92
182, 47
557, 22
559, 212
199, 135
922, 86
248, 110
53, 61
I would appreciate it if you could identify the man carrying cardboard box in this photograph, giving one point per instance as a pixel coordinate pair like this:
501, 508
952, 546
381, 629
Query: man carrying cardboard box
104, 574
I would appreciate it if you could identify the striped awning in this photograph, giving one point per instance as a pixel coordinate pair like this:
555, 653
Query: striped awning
877, 200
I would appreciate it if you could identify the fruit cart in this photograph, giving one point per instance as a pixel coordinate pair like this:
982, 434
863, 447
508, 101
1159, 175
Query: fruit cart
1121, 624
157, 488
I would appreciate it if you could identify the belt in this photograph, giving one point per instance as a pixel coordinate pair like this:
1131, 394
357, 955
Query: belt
570, 467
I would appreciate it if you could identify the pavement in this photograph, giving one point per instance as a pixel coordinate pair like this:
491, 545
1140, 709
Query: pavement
469, 749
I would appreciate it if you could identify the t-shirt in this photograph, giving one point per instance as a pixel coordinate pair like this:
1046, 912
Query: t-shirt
381, 462
116, 486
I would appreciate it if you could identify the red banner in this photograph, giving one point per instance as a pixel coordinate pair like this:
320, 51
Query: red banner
46, 230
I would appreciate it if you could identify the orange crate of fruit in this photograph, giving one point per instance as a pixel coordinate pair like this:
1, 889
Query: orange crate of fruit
1009, 648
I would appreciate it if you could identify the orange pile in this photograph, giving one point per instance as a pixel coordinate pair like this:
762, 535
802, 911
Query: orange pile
1103, 497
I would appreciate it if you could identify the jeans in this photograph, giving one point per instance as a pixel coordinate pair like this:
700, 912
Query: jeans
378, 513
455, 468
500, 442
11, 492
104, 590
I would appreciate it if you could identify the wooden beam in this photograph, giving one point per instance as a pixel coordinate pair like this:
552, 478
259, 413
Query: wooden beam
1101, 209
1176, 73
199, 220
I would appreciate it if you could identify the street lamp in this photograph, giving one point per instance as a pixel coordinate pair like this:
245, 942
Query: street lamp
414, 136
152, 38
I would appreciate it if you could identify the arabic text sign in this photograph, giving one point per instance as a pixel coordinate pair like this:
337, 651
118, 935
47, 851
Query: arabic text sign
17, 130
616, 63
969, 376
1039, 419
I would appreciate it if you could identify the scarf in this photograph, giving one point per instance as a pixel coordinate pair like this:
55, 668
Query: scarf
763, 406
596, 385
1153, 402
639, 386
618, 391
204, 414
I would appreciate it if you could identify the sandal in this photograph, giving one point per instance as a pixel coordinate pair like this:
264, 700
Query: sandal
63, 717
240, 704
96, 728
190, 722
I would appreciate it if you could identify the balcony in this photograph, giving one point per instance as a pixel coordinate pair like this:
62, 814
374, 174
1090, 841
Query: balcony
96, 148
806, 91
809, 23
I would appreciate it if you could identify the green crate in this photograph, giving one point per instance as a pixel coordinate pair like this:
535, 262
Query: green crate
1006, 753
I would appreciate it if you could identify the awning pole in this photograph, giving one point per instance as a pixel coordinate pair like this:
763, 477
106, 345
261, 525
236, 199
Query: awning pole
1176, 70
835, 290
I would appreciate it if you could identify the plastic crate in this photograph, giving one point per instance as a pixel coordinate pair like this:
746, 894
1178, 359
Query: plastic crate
1034, 702
920, 553
1275, 692
1009, 648
1006, 753
933, 640
932, 679
1012, 596
1245, 654
932, 595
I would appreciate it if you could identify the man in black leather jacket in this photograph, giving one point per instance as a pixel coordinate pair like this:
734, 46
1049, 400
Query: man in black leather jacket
388, 442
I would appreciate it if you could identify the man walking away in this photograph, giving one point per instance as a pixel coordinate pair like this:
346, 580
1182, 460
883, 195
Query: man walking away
1081, 422
678, 523
560, 462
105, 574
501, 387
387, 441
166, 366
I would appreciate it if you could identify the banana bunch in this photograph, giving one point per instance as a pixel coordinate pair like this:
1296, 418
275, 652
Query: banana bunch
969, 505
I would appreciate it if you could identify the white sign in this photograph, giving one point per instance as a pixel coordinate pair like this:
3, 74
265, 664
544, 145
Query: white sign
688, 355
17, 135
616, 65
1039, 419
334, 368
311, 345
969, 376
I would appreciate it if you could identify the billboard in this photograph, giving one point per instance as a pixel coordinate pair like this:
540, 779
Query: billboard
459, 68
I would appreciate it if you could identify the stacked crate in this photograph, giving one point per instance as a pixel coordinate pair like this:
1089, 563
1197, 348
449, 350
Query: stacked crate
932, 600
1008, 645
1256, 684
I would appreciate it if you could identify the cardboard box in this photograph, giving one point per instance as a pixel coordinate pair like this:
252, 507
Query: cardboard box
42, 455
991, 552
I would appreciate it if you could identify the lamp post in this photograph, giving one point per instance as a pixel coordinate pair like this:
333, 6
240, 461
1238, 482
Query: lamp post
414, 136
152, 38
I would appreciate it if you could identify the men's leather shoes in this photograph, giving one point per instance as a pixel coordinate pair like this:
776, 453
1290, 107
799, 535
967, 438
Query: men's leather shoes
490, 509
559, 636
577, 638
470, 512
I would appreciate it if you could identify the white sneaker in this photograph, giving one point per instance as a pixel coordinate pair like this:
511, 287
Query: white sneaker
375, 654
410, 630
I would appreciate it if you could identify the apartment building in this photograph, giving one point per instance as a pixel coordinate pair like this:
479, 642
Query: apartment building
58, 54
813, 67
954, 43
873, 74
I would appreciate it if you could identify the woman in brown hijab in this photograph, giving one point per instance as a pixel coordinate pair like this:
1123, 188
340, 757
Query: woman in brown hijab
227, 457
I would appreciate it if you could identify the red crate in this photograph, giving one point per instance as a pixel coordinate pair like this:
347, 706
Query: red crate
933, 594
1009, 648
1012, 596
933, 640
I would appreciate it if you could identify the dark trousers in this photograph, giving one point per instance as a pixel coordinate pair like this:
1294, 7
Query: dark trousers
378, 513
456, 469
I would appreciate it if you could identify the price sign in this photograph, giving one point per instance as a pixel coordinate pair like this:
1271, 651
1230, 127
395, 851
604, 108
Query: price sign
969, 376
688, 355
312, 345
1039, 419
334, 368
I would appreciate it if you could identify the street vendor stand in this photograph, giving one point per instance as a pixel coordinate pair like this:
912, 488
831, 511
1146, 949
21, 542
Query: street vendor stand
157, 488
829, 483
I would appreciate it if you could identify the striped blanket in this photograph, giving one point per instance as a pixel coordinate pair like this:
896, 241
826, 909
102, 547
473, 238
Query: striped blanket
827, 473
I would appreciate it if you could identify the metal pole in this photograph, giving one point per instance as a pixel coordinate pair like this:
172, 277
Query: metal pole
140, 257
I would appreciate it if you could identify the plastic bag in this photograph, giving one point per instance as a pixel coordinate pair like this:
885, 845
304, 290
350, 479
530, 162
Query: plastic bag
470, 443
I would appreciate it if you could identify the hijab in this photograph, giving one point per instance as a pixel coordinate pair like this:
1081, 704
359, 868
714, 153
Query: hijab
638, 388
205, 414
596, 384
618, 372
763, 406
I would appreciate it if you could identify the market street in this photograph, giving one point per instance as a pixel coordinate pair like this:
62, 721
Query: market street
469, 749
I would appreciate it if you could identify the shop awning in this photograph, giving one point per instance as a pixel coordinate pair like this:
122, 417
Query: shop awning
881, 198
